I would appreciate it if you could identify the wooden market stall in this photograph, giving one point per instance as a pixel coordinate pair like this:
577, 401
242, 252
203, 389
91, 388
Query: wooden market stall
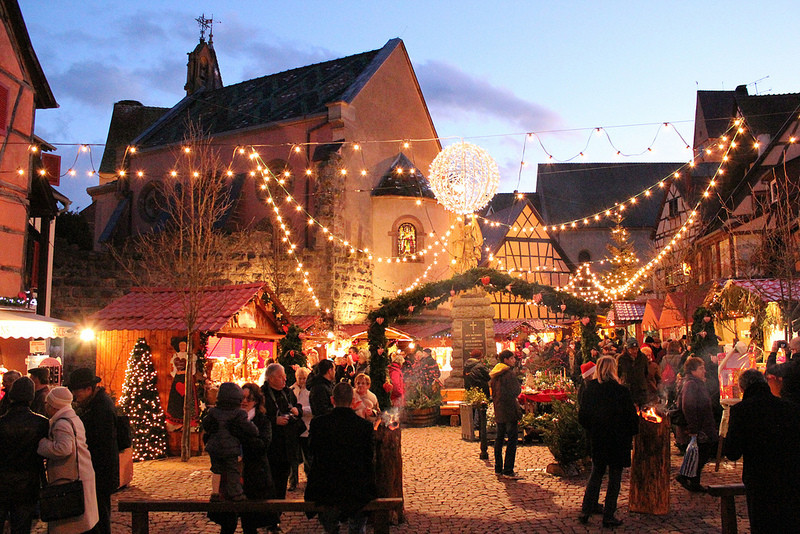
676, 314
627, 314
652, 315
249, 312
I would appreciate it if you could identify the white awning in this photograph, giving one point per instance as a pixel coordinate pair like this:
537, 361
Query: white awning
21, 324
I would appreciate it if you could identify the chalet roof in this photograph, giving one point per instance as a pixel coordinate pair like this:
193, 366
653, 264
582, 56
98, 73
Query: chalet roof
277, 97
128, 120
570, 191
769, 289
398, 181
652, 313
627, 311
678, 308
161, 308
18, 34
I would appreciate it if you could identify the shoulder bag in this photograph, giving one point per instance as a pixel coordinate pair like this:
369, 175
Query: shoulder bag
63, 501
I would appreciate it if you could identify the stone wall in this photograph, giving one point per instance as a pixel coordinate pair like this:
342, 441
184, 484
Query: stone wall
84, 282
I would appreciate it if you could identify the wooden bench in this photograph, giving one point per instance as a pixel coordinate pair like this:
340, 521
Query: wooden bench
727, 504
140, 509
451, 403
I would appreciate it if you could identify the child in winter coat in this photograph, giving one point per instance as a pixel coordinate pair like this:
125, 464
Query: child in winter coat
222, 424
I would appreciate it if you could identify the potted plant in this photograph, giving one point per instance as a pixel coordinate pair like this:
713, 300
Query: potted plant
474, 398
422, 406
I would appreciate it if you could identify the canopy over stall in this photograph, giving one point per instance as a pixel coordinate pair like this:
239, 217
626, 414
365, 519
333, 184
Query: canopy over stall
28, 325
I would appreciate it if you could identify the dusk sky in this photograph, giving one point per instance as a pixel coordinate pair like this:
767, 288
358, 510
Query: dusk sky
490, 72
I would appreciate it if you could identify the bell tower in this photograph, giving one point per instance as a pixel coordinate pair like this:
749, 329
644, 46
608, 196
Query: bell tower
202, 69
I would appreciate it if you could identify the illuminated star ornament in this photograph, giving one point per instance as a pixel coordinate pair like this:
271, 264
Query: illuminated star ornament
464, 178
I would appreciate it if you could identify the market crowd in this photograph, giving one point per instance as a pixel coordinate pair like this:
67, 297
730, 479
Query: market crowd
54, 436
763, 428
321, 417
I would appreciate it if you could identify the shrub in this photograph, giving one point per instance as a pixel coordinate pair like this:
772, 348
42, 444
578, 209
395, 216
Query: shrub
565, 437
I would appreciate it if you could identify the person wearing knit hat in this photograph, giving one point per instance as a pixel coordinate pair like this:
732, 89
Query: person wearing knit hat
58, 398
21, 469
21, 391
64, 447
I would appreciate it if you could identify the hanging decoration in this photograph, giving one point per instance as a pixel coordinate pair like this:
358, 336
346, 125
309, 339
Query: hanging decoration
434, 293
464, 178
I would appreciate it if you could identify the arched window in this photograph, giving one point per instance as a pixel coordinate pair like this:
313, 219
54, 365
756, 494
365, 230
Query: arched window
406, 240
584, 256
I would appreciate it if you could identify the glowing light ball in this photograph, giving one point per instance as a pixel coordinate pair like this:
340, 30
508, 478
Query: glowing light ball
464, 178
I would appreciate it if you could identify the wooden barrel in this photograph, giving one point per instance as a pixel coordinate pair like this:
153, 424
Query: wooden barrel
420, 417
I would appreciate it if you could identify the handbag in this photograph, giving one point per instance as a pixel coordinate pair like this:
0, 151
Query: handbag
63, 501
691, 459
676, 417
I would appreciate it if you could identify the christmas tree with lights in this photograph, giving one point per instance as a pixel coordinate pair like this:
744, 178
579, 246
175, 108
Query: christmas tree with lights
623, 260
140, 401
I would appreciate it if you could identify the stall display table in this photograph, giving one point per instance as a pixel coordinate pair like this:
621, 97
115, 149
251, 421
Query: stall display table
531, 401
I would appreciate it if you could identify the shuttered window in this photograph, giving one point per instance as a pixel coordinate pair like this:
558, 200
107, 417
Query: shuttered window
3, 109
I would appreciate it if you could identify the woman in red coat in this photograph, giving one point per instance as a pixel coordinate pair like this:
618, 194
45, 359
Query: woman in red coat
395, 373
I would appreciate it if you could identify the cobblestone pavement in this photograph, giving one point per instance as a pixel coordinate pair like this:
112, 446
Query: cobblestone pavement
449, 489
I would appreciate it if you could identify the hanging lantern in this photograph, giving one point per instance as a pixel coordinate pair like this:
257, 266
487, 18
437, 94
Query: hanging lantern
464, 178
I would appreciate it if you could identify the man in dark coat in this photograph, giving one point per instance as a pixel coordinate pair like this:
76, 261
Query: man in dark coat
284, 414
632, 365
8, 379
476, 375
96, 410
320, 388
507, 411
41, 381
21, 469
342, 472
766, 431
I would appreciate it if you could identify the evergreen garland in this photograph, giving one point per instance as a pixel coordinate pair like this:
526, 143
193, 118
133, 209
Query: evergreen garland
589, 337
290, 351
432, 294
141, 402
378, 361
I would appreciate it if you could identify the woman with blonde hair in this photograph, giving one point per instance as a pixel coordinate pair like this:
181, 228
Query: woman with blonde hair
607, 413
365, 403
68, 459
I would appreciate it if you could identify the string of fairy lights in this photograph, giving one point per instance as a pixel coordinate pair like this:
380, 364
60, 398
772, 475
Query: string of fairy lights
438, 247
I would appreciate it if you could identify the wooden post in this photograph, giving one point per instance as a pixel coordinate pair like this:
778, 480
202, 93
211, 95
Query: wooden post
140, 523
389, 466
484, 455
650, 468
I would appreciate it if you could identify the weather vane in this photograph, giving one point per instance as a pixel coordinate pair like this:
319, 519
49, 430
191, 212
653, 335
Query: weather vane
206, 24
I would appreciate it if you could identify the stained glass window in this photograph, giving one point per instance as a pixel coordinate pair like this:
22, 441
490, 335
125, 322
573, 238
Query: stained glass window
406, 240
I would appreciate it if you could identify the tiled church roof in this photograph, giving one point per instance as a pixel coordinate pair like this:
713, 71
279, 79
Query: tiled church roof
276, 97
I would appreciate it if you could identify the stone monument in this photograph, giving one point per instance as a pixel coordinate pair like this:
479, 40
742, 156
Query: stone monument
473, 328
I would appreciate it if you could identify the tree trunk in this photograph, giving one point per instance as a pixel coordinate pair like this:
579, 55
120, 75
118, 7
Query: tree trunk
188, 401
650, 468
389, 466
